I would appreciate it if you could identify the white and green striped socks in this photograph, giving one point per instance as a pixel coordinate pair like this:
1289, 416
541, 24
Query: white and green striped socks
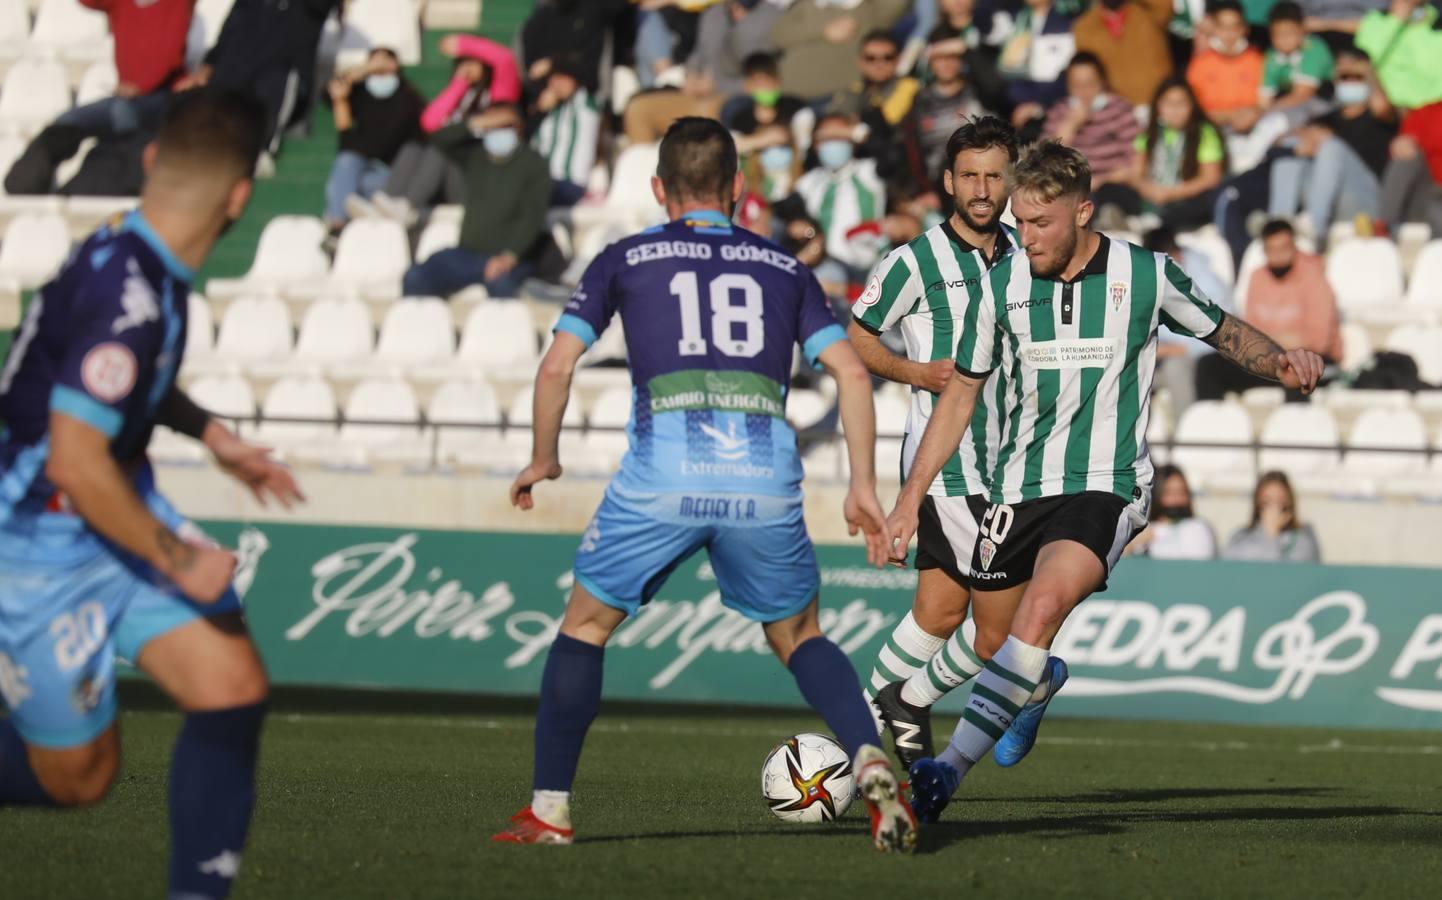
906, 652
955, 665
1000, 691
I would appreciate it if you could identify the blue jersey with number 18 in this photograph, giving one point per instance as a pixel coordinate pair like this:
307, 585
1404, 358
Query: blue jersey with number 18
712, 314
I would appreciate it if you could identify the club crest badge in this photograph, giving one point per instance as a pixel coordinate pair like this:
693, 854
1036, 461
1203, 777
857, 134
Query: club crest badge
1119, 294
988, 553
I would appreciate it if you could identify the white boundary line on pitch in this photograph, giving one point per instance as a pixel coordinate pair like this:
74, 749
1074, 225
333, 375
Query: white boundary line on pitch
1335, 745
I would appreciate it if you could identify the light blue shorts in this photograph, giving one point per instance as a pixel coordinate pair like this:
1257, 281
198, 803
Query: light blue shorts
70, 603
763, 559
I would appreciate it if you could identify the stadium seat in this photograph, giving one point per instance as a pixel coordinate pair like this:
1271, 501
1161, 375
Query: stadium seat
1385, 428
456, 411
98, 83
416, 333
1356, 347
1209, 243
225, 396
334, 332
605, 441
308, 398
498, 336
381, 422
199, 329
65, 28
891, 413
1366, 274
1300, 425
289, 253
1424, 288
33, 249
14, 29
254, 330
805, 408
516, 451
628, 206
439, 235
609, 347
1422, 343
370, 259
34, 93
381, 23
1214, 422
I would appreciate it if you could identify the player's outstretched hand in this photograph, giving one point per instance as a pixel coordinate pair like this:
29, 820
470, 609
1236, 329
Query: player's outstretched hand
1300, 369
863, 514
900, 528
253, 466
203, 573
531, 476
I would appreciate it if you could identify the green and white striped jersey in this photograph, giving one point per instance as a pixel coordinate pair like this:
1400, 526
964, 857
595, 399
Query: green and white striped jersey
1075, 361
842, 200
930, 286
567, 138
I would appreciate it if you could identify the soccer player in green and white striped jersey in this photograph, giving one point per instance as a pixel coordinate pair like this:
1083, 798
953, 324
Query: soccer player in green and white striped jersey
1070, 328
927, 288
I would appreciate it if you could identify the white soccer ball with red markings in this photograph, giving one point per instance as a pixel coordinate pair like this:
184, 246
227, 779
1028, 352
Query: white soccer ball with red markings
808, 778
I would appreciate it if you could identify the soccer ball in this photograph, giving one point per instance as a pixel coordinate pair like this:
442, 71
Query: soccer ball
808, 778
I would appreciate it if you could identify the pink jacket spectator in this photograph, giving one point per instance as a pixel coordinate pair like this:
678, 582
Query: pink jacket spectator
505, 84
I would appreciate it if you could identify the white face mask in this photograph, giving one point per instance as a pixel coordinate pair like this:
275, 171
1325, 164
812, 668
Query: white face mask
501, 141
1226, 49
383, 86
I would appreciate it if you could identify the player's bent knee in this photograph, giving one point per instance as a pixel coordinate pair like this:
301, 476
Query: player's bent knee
79, 776
988, 641
1045, 608
939, 622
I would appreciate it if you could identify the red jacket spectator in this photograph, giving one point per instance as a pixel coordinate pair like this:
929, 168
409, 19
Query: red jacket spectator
149, 41
1424, 125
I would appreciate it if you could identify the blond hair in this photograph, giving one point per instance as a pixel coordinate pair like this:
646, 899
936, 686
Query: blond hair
1050, 170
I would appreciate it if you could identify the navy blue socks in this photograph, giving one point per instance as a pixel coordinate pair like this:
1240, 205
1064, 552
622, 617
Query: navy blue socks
829, 684
212, 793
570, 697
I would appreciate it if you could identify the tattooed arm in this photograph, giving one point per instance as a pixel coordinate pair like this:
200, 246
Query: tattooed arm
1260, 355
82, 468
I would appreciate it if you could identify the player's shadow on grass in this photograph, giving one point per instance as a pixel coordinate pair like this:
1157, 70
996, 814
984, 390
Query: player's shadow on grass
941, 835
1159, 795
851, 830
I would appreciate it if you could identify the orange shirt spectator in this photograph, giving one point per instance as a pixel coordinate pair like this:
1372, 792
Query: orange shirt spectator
1289, 298
1225, 83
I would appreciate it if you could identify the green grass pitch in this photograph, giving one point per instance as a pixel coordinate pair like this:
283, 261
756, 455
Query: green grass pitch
391, 804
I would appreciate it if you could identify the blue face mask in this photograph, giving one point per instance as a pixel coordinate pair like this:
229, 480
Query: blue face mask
834, 154
383, 86
501, 141
776, 159
1353, 93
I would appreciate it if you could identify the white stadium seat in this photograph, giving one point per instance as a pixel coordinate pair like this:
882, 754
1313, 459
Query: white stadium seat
603, 449
34, 246
34, 93
383, 23
416, 332
199, 328
227, 396
1214, 422
289, 253
1424, 289
1423, 344
66, 28
628, 205
439, 235
334, 332
298, 398
253, 330
456, 405
1366, 274
382, 417
14, 29
805, 407
891, 412
498, 336
1302, 425
1391, 428
98, 83
370, 259
1209, 243
1356, 347
517, 440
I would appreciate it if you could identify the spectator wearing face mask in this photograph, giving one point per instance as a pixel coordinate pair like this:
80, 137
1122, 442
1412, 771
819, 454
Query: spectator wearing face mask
376, 113
940, 108
772, 165
1339, 159
1129, 37
1098, 123
1226, 79
818, 40
507, 190
566, 123
843, 195
762, 102
1288, 299
1406, 50
1033, 56
1275, 534
1174, 531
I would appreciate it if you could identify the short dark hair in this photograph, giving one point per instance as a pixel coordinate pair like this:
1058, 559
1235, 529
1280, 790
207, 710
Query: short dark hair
507, 106
943, 32
212, 130
1161, 239
698, 160
1050, 170
1221, 6
832, 114
982, 133
879, 35
1275, 227
1087, 58
386, 51
760, 64
1285, 11
1352, 51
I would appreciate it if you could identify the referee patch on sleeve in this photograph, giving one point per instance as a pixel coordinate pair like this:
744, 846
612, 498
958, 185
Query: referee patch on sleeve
109, 371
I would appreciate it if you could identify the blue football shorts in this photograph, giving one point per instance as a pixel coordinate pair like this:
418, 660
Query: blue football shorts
70, 604
764, 563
